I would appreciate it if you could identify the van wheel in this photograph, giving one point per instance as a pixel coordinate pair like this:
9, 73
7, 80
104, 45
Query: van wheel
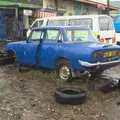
64, 71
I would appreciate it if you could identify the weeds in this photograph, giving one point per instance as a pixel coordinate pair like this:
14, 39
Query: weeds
48, 76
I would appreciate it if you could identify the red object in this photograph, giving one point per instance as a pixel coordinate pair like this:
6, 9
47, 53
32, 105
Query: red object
40, 14
102, 40
101, 6
113, 40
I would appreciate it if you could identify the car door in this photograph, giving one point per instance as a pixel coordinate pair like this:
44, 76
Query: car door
30, 48
49, 48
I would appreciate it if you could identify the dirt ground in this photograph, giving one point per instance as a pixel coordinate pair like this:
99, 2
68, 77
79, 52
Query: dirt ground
30, 96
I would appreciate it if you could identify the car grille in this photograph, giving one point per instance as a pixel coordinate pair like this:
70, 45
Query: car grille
104, 56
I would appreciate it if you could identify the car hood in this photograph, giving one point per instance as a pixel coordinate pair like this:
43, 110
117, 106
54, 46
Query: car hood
97, 46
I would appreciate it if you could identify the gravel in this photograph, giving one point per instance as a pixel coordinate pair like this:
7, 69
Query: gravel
30, 96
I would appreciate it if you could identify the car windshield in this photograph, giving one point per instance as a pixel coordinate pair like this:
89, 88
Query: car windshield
78, 35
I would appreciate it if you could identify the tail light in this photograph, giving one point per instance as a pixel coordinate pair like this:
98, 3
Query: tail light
102, 40
113, 39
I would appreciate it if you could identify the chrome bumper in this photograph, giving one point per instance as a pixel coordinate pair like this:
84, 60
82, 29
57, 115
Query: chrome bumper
87, 64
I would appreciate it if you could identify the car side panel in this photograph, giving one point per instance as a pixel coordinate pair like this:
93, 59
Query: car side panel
47, 54
25, 52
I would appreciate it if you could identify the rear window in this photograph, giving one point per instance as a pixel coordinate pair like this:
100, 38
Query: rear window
56, 22
106, 23
82, 22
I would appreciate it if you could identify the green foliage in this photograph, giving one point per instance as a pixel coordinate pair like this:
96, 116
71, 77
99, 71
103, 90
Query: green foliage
9, 0
22, 1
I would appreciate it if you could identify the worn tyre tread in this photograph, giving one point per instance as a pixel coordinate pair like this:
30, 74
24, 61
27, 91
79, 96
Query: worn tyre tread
64, 98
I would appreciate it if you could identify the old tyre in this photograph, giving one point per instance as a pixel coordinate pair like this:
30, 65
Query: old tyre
109, 86
64, 71
70, 96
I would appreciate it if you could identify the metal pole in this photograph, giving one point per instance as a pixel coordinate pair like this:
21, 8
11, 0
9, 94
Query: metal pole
108, 7
16, 23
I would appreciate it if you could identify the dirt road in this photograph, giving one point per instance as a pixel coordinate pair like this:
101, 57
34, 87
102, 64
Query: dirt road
30, 96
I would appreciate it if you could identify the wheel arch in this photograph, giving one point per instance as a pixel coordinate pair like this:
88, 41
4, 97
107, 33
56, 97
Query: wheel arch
61, 60
11, 52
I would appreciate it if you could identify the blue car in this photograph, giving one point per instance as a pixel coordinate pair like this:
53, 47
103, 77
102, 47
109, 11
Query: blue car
72, 51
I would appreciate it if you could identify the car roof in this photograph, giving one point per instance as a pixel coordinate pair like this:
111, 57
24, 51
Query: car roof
70, 17
62, 27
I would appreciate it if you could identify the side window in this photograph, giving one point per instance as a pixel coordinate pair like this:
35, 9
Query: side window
77, 35
105, 23
56, 22
52, 35
35, 35
40, 23
82, 22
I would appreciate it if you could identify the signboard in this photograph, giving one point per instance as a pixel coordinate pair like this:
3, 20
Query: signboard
27, 12
100, 1
41, 14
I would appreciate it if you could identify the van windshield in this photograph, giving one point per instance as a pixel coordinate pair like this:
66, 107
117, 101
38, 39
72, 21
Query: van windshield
106, 23
75, 35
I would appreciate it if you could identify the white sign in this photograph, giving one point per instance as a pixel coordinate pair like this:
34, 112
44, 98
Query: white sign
100, 1
27, 12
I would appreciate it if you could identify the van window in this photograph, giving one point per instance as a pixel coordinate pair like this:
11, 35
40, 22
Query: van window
40, 23
75, 35
56, 22
82, 22
105, 23
52, 35
35, 35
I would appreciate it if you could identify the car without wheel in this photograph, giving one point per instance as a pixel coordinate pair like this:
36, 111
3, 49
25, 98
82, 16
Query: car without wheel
71, 50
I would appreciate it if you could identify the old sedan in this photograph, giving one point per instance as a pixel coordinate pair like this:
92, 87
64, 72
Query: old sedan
73, 51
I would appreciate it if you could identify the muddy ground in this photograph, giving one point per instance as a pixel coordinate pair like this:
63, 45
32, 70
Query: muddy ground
30, 96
